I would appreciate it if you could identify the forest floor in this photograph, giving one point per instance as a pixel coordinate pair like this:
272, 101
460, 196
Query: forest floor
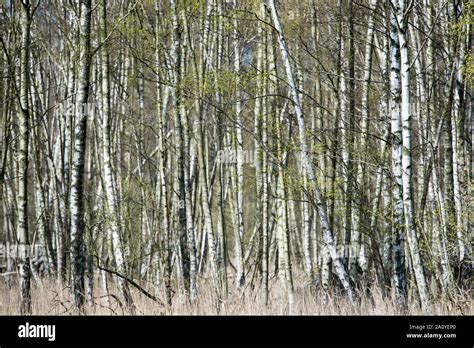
48, 299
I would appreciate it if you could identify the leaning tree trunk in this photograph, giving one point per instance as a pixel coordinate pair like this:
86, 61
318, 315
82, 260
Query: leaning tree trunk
307, 164
79, 157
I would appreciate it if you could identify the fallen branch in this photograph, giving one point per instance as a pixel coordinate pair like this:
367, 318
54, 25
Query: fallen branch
7, 274
143, 291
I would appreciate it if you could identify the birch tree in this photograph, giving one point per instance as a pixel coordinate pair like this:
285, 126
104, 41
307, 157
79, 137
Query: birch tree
109, 180
307, 165
23, 158
239, 176
79, 157
398, 238
402, 14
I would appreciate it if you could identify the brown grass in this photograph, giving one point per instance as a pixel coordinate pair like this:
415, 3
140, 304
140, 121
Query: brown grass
48, 299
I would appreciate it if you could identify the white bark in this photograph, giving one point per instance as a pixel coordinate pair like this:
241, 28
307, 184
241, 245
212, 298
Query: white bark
407, 177
307, 165
162, 158
460, 177
77, 184
359, 257
185, 223
239, 150
399, 271
109, 180
344, 138
264, 58
23, 161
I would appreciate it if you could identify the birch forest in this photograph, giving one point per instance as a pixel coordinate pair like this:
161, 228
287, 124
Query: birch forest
236, 157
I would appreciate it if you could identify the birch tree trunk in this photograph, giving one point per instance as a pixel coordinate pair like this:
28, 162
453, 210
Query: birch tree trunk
407, 177
186, 233
79, 158
163, 156
23, 160
261, 157
307, 165
398, 240
459, 136
239, 150
358, 258
206, 189
110, 190
345, 139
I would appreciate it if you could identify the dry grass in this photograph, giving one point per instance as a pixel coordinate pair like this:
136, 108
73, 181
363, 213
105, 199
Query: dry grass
48, 299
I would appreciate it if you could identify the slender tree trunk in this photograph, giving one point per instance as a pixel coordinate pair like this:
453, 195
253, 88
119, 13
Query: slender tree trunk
239, 166
460, 177
359, 259
309, 171
186, 232
407, 177
345, 136
79, 157
399, 270
22, 159
261, 157
163, 155
110, 190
